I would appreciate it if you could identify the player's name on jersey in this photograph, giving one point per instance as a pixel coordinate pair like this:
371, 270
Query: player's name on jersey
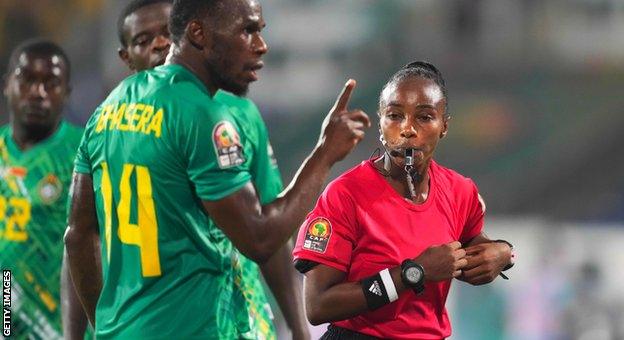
131, 117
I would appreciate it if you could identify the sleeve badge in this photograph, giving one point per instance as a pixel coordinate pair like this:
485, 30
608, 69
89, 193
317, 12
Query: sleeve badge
318, 232
227, 145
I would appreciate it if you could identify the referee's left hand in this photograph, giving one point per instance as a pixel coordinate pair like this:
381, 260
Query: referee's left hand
485, 262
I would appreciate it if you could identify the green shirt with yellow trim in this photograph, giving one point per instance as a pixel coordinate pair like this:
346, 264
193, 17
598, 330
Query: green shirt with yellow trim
155, 148
34, 187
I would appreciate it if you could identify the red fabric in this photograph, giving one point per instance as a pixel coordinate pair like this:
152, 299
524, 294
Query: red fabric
373, 227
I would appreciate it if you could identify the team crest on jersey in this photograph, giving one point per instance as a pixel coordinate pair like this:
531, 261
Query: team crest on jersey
49, 189
317, 235
227, 145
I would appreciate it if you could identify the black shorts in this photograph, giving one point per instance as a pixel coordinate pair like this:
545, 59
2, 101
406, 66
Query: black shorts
339, 333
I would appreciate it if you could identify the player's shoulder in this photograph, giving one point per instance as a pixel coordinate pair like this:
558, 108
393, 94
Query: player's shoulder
231, 99
163, 84
242, 107
450, 179
73, 129
174, 89
73, 133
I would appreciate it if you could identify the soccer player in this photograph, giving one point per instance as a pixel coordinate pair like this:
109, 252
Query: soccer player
144, 38
165, 173
385, 239
37, 149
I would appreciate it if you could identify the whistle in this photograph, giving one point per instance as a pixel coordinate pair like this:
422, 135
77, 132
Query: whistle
409, 157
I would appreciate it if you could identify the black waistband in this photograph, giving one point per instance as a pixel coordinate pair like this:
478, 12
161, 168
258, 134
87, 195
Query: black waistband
339, 333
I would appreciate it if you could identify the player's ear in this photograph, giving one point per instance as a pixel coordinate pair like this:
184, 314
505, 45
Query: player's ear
446, 119
125, 57
197, 34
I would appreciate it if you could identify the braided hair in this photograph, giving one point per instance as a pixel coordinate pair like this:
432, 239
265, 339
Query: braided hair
420, 69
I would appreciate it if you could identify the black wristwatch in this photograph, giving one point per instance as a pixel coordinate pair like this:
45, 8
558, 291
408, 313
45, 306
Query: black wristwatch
413, 276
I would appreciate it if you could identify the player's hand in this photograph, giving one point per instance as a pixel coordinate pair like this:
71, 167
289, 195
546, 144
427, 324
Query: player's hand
342, 128
485, 262
442, 262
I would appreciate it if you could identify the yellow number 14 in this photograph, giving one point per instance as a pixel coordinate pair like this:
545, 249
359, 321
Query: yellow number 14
144, 234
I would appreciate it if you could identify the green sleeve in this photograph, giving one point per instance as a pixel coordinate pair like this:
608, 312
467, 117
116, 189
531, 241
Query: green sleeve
215, 152
82, 163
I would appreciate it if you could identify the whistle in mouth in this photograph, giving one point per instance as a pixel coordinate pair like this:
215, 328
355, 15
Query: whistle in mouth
409, 157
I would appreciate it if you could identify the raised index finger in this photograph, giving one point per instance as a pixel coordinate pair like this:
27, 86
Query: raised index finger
345, 95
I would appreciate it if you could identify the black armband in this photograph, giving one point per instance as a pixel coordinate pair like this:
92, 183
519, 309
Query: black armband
375, 292
303, 266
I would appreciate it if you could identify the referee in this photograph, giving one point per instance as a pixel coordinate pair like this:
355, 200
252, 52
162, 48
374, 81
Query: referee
385, 239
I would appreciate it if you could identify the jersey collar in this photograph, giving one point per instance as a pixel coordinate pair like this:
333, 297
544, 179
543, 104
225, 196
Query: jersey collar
16, 152
389, 190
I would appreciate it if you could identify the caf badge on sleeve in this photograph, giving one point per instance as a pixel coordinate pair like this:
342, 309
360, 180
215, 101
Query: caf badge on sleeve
317, 235
227, 145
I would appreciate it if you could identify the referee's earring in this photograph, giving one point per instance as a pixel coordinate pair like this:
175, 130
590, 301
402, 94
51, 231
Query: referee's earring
382, 140
443, 134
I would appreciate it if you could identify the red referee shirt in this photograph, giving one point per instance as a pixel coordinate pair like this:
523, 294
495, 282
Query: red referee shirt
361, 225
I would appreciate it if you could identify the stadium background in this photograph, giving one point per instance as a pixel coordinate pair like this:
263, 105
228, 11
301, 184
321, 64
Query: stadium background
535, 94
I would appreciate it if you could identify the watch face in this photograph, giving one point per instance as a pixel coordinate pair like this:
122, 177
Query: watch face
413, 275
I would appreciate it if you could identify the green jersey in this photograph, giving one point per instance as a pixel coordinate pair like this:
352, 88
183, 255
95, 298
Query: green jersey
267, 180
156, 147
33, 195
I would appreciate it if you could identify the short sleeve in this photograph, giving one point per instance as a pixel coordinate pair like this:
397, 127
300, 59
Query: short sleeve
82, 162
327, 236
214, 151
475, 215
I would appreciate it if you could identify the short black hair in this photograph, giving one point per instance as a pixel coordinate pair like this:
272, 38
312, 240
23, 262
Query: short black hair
130, 8
184, 11
40, 48
420, 69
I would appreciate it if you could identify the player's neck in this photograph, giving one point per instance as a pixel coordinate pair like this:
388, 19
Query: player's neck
27, 138
190, 57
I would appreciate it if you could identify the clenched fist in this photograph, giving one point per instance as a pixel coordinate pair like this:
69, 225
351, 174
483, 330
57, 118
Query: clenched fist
442, 262
485, 262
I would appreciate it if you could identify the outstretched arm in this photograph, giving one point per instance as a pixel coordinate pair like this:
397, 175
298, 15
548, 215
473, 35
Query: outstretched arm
81, 242
258, 231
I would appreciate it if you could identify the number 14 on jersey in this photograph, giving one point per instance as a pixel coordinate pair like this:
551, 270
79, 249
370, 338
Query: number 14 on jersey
143, 234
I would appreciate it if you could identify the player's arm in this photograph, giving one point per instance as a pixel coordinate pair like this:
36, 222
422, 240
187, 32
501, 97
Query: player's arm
258, 231
74, 317
285, 283
329, 298
81, 242
486, 259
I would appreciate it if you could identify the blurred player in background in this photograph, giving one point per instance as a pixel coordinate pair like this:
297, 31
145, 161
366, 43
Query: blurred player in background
385, 239
37, 149
144, 37
159, 154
